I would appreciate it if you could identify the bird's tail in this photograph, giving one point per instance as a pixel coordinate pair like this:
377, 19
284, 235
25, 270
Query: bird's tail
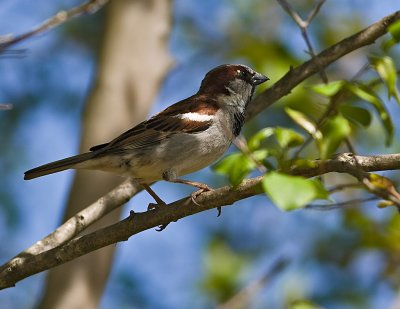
57, 166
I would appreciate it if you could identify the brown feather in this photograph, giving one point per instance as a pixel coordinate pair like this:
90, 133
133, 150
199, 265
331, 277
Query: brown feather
57, 166
162, 125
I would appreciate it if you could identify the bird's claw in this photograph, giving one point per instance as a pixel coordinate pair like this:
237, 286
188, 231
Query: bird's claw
195, 194
205, 188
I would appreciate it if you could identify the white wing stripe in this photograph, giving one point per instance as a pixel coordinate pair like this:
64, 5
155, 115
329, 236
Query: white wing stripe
195, 117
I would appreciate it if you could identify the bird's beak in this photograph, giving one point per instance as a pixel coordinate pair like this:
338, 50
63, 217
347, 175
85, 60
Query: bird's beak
259, 78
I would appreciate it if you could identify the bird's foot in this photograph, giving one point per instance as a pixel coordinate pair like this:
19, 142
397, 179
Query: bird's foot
198, 192
203, 188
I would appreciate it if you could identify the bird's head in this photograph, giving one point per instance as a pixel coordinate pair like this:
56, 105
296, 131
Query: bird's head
232, 80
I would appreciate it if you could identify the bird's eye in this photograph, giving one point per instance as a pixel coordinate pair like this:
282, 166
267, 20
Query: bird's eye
241, 73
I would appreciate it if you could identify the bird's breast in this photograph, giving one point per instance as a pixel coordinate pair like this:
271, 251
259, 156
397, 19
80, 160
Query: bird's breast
183, 153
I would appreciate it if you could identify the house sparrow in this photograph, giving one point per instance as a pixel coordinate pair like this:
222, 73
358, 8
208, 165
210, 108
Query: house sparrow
184, 138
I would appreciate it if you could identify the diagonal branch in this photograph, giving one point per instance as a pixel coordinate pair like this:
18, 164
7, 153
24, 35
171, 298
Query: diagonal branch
334, 102
243, 298
90, 6
5, 106
18, 269
341, 205
303, 25
315, 11
296, 75
377, 185
86, 217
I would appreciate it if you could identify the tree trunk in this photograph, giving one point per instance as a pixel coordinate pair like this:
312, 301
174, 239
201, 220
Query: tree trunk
133, 61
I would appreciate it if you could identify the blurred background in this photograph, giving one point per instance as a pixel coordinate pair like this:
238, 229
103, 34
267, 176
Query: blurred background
336, 259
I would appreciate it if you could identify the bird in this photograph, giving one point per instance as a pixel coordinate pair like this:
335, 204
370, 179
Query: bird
185, 137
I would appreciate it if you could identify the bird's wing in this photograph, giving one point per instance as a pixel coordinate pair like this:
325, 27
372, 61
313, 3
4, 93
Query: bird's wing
172, 120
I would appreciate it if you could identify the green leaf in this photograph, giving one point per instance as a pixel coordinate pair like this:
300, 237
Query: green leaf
329, 89
356, 114
303, 121
394, 30
236, 166
292, 192
260, 154
334, 132
288, 137
370, 96
304, 163
284, 136
387, 71
255, 141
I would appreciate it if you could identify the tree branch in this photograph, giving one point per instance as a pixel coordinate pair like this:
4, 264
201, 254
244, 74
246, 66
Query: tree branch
5, 106
243, 298
30, 264
296, 75
90, 6
341, 205
83, 219
303, 25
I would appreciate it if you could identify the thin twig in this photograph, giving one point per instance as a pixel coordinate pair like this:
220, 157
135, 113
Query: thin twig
298, 74
241, 143
332, 107
6, 106
89, 7
341, 205
303, 25
344, 186
355, 165
242, 298
13, 53
315, 11
350, 146
292, 13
